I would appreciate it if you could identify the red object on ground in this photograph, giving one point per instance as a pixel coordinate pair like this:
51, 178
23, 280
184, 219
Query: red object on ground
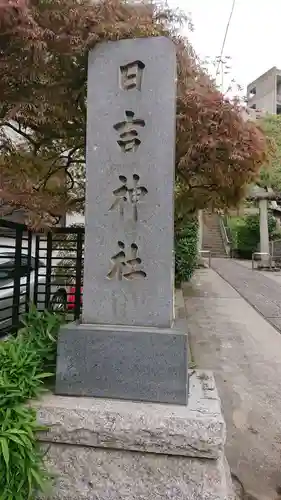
71, 297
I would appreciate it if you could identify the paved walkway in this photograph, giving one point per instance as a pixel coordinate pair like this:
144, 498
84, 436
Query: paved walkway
243, 350
261, 289
275, 275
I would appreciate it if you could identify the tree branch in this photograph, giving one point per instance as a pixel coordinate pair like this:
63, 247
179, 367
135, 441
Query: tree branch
20, 132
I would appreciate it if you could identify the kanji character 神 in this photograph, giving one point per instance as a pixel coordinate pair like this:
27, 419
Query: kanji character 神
132, 195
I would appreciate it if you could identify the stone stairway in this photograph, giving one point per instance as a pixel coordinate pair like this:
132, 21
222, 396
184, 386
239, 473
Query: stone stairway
212, 237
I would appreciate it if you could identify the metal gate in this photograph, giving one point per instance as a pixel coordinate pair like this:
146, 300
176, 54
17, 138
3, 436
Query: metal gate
15, 271
44, 268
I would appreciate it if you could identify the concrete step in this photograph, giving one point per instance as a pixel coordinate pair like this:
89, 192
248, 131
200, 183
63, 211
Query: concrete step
215, 249
213, 243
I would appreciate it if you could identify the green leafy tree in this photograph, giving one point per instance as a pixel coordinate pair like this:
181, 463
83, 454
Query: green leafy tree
271, 174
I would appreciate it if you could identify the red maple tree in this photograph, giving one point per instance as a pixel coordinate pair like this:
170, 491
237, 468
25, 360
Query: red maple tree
43, 82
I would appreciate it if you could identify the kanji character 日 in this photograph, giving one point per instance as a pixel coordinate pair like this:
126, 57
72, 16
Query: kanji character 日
131, 75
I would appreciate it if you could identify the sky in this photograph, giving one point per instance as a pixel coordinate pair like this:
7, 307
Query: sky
252, 42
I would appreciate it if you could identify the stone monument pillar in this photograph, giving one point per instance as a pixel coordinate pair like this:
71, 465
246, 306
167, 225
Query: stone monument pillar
264, 235
128, 345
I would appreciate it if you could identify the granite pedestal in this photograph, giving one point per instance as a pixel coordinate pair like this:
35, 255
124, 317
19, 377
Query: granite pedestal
143, 364
101, 449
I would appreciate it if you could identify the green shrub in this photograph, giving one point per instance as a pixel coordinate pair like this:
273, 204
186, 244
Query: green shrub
39, 332
22, 471
186, 250
248, 234
233, 223
25, 362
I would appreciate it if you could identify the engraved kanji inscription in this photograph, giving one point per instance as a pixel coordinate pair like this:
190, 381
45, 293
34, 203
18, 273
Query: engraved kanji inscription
129, 137
126, 195
131, 75
126, 266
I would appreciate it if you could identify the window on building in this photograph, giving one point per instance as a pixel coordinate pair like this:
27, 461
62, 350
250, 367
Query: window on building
252, 92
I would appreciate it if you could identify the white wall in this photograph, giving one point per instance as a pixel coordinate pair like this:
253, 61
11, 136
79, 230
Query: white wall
74, 219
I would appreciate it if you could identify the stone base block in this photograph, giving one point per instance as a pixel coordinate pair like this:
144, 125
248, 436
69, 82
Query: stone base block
138, 364
104, 449
99, 474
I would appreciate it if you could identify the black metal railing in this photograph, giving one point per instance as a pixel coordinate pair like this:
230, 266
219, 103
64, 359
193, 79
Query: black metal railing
44, 268
15, 268
59, 257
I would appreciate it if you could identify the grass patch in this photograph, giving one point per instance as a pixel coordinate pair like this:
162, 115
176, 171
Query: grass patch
25, 363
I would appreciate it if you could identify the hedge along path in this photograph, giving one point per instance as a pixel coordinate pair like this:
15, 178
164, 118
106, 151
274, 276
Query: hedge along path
25, 362
186, 249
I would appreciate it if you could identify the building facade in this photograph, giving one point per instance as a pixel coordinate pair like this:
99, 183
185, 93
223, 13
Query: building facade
264, 93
